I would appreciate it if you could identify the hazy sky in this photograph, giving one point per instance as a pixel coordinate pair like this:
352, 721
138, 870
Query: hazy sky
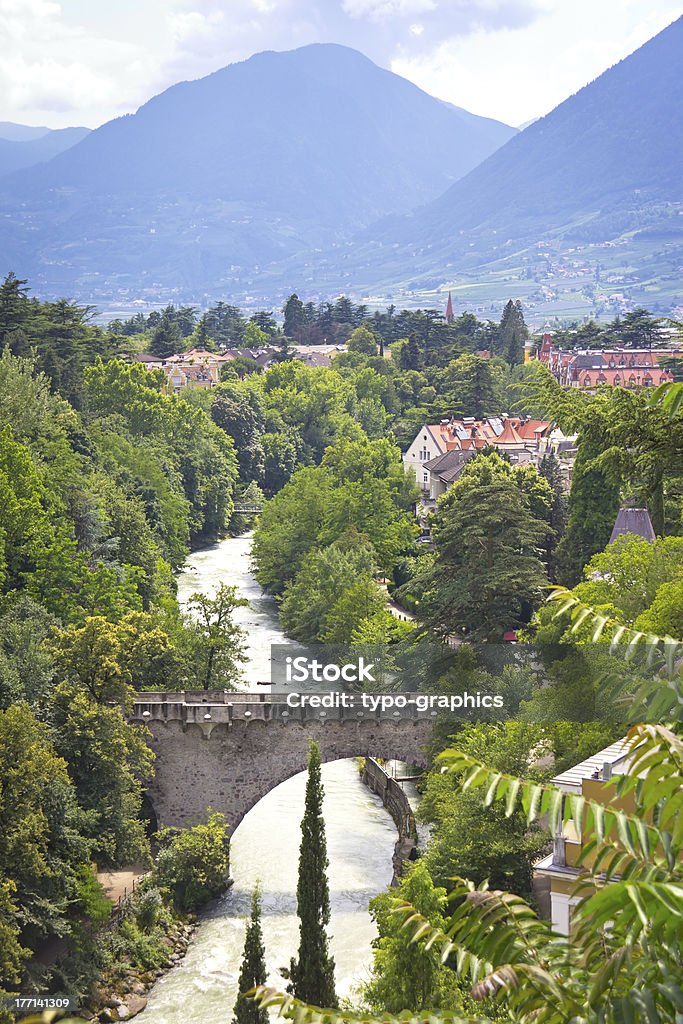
65, 62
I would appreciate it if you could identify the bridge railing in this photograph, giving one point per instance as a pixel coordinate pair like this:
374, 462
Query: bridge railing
198, 707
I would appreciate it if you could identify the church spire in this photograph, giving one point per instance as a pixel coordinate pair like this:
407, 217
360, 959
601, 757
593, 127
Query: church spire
450, 316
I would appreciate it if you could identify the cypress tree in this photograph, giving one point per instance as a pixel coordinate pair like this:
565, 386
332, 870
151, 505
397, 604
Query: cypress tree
253, 970
312, 973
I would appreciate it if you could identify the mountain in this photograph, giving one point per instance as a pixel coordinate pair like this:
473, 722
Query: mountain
21, 132
17, 153
216, 177
603, 171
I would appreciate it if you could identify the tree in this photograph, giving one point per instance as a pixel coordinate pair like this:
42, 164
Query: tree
216, 642
253, 970
473, 387
363, 340
12, 953
295, 319
488, 535
410, 357
237, 409
483, 843
312, 973
14, 308
41, 829
254, 337
264, 320
406, 976
167, 338
549, 469
315, 606
193, 864
639, 330
512, 333
108, 761
592, 511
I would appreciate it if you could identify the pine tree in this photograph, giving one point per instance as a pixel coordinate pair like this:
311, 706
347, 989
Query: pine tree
253, 970
512, 333
295, 319
409, 358
312, 974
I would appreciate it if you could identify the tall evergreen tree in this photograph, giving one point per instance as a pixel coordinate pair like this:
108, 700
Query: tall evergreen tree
512, 333
312, 973
409, 358
167, 338
253, 970
295, 318
550, 469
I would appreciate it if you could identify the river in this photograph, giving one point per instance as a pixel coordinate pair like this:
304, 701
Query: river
360, 838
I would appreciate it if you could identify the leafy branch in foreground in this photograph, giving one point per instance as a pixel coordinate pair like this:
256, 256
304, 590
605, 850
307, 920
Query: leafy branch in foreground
657, 693
668, 397
293, 1009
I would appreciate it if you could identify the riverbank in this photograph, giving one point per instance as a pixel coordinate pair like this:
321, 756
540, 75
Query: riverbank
122, 992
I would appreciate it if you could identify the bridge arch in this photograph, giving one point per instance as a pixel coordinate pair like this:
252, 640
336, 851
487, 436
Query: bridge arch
206, 758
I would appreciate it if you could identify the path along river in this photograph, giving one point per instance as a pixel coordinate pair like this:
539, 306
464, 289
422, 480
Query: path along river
360, 838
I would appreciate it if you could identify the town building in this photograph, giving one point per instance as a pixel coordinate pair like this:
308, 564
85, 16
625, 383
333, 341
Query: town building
557, 874
620, 367
199, 368
440, 451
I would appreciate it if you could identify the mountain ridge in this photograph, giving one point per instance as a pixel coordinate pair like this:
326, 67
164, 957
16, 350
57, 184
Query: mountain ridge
285, 151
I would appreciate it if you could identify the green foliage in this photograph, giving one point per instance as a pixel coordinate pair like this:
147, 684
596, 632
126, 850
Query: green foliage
215, 644
359, 490
312, 972
12, 953
472, 386
512, 333
482, 843
42, 847
407, 976
193, 864
489, 531
363, 340
332, 593
628, 576
108, 760
253, 969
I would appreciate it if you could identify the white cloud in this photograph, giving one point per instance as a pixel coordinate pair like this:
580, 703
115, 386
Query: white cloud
185, 25
518, 75
380, 10
83, 61
51, 85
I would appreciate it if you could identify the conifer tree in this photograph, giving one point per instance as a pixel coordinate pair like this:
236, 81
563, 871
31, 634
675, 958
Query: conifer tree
312, 973
512, 333
295, 319
253, 970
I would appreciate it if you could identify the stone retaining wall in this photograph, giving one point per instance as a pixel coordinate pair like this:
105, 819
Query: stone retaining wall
396, 802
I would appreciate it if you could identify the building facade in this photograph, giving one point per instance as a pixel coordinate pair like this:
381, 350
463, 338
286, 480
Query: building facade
619, 367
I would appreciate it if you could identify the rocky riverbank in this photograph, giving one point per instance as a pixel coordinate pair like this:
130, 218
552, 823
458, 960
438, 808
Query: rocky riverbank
122, 993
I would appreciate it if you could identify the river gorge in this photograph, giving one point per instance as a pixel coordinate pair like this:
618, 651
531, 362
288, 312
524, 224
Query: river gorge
360, 837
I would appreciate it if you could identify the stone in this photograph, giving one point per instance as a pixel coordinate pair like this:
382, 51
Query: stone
191, 771
134, 1004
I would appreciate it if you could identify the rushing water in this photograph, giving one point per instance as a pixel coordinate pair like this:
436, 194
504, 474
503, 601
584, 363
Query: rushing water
228, 562
360, 839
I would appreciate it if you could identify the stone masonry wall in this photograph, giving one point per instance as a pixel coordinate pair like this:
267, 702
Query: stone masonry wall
229, 766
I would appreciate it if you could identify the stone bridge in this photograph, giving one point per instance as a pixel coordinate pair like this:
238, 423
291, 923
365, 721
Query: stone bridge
227, 750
